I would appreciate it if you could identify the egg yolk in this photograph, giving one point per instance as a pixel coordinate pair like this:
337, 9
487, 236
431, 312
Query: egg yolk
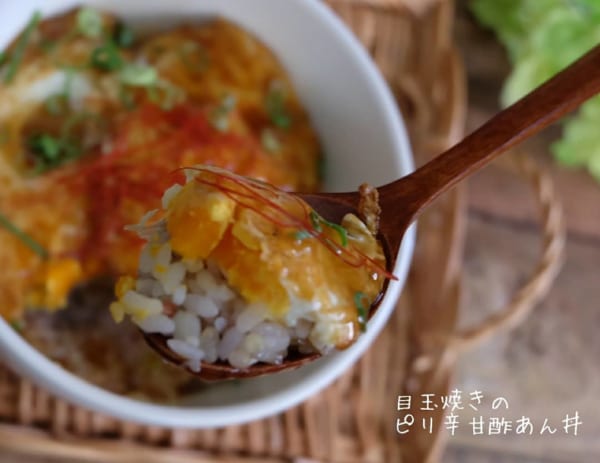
54, 281
274, 263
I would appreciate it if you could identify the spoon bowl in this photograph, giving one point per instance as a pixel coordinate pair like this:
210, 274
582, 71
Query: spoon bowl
350, 138
402, 200
222, 371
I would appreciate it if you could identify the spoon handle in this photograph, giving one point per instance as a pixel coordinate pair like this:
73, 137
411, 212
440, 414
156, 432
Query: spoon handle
537, 110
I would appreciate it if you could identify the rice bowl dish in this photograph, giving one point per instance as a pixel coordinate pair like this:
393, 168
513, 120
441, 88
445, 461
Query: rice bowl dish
237, 271
369, 144
95, 118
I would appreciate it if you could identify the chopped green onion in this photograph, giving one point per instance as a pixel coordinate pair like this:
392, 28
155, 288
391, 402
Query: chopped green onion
281, 120
302, 235
46, 146
24, 237
275, 106
2, 57
269, 141
19, 51
340, 230
220, 123
107, 58
123, 35
315, 220
220, 116
138, 75
363, 312
69, 76
89, 22
50, 151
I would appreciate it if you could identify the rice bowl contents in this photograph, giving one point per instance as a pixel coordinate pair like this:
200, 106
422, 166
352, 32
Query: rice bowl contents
96, 113
237, 271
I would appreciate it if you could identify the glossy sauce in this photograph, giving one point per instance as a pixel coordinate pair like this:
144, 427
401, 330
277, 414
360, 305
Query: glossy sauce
131, 146
270, 260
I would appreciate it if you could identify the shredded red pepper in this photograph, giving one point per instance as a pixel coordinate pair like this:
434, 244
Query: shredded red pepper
148, 148
149, 152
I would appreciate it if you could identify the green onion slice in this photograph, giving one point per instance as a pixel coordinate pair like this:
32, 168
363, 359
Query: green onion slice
220, 116
16, 57
340, 231
53, 151
138, 75
269, 141
317, 220
24, 237
301, 235
363, 312
107, 58
46, 146
275, 106
89, 22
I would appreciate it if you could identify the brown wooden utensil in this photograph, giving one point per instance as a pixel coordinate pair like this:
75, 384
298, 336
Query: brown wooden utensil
402, 200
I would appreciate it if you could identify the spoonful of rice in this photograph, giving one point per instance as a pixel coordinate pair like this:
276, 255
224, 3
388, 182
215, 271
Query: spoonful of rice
239, 279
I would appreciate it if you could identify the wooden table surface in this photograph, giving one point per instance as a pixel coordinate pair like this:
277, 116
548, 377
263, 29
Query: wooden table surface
548, 367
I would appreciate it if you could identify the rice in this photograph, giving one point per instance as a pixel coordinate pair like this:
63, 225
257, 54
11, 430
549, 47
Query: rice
185, 295
204, 319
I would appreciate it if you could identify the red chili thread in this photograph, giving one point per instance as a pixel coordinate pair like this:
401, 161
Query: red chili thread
354, 258
137, 172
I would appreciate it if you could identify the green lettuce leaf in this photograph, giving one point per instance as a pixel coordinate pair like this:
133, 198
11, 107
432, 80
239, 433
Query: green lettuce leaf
542, 37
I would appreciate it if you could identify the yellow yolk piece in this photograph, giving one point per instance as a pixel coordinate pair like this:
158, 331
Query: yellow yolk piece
257, 280
269, 259
197, 220
55, 280
283, 267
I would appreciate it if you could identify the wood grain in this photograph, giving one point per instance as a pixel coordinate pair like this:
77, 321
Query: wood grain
402, 200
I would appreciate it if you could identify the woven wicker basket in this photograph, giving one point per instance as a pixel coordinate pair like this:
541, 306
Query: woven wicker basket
354, 419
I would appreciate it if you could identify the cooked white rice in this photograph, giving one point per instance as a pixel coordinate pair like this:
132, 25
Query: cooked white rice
206, 321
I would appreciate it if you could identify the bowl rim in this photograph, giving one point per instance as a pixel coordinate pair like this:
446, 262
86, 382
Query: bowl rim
31, 363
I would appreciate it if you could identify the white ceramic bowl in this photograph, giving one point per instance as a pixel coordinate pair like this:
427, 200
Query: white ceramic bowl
364, 140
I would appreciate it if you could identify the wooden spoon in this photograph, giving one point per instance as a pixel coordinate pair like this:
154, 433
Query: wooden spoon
402, 200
